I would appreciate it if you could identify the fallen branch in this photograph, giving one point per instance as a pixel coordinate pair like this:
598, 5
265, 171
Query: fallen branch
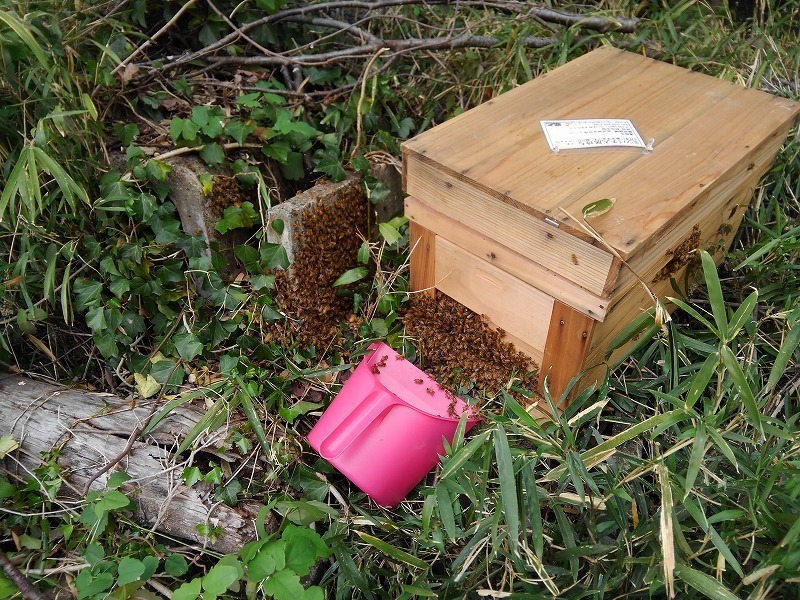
368, 43
41, 416
26, 588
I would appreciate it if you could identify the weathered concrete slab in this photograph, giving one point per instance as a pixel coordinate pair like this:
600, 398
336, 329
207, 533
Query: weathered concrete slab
295, 211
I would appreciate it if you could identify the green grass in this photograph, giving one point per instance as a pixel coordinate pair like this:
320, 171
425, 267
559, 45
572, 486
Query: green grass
679, 475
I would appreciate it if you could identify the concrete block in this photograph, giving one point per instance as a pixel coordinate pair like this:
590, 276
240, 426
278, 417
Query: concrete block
295, 210
392, 204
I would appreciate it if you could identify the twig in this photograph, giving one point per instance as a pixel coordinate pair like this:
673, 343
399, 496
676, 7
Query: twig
359, 114
24, 585
461, 41
155, 36
301, 15
188, 150
114, 461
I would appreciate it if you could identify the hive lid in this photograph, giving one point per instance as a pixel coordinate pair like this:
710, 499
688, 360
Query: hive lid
491, 167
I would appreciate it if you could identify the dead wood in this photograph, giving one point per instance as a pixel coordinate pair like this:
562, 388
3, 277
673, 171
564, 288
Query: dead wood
359, 28
91, 429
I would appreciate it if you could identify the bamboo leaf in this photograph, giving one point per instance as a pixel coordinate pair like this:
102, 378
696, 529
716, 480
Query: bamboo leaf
701, 379
508, 487
14, 183
791, 535
252, 415
696, 314
742, 387
69, 187
723, 548
758, 253
741, 315
590, 457
206, 421
788, 346
453, 463
393, 552
445, 504
633, 329
696, 457
666, 529
23, 32
534, 509
351, 276
66, 296
703, 583
568, 537
724, 447
49, 290
715, 294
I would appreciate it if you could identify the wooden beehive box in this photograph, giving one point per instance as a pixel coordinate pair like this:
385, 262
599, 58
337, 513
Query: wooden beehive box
492, 207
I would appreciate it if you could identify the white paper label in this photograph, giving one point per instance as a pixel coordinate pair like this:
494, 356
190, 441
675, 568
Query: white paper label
591, 133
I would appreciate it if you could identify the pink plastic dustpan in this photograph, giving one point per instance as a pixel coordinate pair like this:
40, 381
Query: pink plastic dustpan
384, 429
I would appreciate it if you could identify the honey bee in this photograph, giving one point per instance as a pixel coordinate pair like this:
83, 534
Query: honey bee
574, 259
418, 381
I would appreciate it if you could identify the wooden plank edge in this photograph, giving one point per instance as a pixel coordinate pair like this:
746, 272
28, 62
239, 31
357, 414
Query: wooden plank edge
529, 271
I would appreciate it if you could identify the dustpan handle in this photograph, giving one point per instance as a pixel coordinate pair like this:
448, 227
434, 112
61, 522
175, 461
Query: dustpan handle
354, 424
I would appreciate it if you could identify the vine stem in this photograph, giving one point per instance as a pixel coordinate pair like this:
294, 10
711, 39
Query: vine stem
359, 114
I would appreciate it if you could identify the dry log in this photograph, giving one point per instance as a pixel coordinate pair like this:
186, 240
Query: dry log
90, 430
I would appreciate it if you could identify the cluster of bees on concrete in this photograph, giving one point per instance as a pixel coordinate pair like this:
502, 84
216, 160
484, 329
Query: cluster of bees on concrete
327, 247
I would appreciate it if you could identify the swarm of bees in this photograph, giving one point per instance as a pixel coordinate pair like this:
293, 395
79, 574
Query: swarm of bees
326, 248
681, 256
226, 192
460, 349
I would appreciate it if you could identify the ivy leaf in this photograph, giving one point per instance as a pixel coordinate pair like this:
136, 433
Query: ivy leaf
176, 129
117, 478
284, 584
126, 133
363, 253
106, 344
274, 256
270, 558
146, 385
330, 163
95, 318
87, 293
191, 475
598, 207
188, 591
229, 494
113, 500
239, 130
212, 154
300, 408
187, 345
206, 183
219, 578
249, 100
351, 276
303, 547
176, 565
237, 216
7, 444
129, 570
